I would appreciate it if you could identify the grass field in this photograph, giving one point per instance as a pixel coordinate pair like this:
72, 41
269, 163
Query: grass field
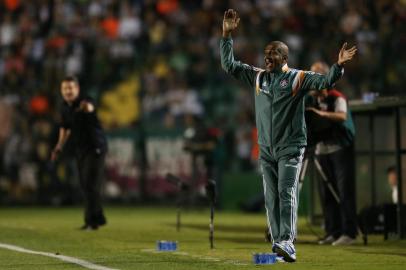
128, 242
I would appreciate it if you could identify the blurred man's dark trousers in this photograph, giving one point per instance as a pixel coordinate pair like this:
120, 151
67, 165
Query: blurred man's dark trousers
339, 167
91, 174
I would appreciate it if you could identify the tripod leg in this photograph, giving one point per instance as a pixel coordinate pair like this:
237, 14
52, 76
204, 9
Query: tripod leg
324, 177
178, 219
211, 233
303, 173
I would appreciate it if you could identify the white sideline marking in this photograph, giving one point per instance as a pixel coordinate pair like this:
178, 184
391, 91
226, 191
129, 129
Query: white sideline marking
64, 258
204, 258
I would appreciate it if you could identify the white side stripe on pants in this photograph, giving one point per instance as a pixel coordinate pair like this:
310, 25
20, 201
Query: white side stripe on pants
266, 208
294, 203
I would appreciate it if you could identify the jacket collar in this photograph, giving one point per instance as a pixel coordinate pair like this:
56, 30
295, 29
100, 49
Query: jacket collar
285, 68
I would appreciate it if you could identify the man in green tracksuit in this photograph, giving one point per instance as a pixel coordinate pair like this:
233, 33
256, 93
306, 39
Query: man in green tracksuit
279, 105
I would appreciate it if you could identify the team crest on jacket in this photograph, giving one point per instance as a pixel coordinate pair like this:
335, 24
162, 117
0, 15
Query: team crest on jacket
284, 83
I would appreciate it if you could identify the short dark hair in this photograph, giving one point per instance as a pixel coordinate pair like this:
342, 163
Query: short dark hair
282, 47
71, 78
391, 169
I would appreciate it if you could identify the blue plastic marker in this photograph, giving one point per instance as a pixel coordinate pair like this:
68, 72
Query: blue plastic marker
166, 245
264, 258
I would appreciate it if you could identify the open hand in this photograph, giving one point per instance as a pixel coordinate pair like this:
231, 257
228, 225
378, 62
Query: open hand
230, 21
346, 55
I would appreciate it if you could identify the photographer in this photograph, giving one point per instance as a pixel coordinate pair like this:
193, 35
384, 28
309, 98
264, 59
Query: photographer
335, 152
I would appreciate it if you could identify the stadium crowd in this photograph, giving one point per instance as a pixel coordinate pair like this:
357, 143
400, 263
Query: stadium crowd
173, 46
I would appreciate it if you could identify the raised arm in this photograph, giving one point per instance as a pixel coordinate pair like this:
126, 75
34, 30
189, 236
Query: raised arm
240, 71
307, 80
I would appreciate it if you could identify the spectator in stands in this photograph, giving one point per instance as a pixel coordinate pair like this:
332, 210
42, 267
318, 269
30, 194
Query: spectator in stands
393, 182
103, 42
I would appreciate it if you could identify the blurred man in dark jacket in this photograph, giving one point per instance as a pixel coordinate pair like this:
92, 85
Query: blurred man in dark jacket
80, 123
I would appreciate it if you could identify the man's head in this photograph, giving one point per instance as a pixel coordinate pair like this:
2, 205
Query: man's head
276, 56
322, 68
70, 89
392, 176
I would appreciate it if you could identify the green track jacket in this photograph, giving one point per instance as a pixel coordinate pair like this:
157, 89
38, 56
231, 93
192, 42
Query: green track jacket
279, 99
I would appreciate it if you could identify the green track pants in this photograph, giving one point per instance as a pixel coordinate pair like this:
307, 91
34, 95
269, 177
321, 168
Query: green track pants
280, 181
